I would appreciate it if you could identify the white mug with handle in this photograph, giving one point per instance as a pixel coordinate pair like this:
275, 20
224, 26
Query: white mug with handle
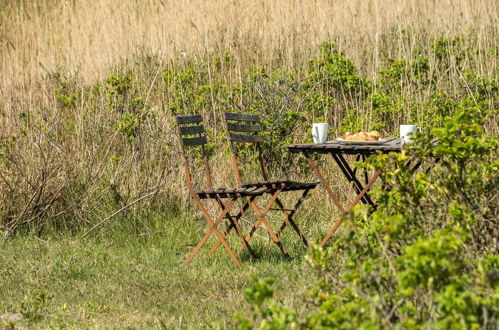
406, 131
319, 132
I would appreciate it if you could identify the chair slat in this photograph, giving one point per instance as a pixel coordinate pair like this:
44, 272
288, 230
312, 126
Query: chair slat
189, 119
246, 138
244, 127
190, 130
241, 117
192, 142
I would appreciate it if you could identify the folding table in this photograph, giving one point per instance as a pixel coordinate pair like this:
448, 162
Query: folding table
338, 150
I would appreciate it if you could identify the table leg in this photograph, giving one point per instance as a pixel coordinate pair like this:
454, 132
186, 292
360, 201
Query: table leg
324, 182
351, 176
355, 202
348, 172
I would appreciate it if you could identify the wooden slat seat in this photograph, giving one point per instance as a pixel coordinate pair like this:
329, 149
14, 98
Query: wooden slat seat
283, 185
230, 192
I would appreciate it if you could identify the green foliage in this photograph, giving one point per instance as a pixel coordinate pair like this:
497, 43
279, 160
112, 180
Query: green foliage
332, 78
65, 98
119, 89
34, 305
118, 85
332, 71
439, 106
129, 125
395, 75
66, 88
274, 316
385, 110
137, 105
445, 48
482, 86
432, 263
182, 86
427, 257
259, 292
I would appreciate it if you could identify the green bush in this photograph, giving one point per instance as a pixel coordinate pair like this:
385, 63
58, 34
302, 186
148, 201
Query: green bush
426, 258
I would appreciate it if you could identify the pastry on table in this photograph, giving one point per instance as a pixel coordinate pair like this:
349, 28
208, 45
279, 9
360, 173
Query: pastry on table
362, 136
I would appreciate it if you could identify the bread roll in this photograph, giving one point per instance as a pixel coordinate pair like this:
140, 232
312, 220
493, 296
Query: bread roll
362, 136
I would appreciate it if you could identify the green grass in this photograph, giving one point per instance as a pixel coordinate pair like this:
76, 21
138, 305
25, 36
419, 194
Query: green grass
117, 277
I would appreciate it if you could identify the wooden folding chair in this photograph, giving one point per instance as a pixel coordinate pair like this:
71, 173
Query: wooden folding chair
192, 134
245, 128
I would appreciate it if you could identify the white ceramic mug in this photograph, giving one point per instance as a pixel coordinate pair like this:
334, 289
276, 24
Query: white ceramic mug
319, 132
406, 131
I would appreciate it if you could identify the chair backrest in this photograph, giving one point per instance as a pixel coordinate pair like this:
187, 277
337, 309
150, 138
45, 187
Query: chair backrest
192, 134
244, 128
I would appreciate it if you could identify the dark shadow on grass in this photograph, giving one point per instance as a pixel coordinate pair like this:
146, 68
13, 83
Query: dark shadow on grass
263, 252
273, 254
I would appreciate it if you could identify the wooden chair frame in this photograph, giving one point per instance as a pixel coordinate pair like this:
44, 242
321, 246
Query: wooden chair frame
250, 126
192, 134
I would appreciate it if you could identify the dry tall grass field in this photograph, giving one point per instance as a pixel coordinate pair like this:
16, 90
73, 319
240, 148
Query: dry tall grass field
64, 156
91, 36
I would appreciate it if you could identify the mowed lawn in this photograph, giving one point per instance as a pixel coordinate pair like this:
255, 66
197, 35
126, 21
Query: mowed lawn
116, 278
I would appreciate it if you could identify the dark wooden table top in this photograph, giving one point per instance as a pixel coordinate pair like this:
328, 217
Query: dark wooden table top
348, 147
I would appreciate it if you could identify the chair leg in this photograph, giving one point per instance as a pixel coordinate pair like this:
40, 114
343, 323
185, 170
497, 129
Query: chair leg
233, 225
213, 228
261, 214
289, 218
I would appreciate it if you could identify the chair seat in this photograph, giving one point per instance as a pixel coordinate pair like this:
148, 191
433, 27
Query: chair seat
230, 192
284, 185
